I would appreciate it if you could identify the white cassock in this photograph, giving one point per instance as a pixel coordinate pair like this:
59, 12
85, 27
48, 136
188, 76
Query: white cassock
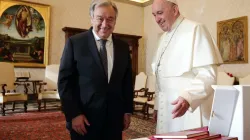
185, 65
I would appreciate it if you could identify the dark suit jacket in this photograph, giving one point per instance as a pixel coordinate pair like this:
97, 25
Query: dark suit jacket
83, 85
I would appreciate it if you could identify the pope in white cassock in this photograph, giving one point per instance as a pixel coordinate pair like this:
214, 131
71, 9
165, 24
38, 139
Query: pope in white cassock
185, 67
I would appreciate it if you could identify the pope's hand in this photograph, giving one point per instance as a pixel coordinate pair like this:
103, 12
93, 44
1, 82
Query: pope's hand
181, 106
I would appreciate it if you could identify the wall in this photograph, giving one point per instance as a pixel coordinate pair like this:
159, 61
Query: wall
76, 14
204, 11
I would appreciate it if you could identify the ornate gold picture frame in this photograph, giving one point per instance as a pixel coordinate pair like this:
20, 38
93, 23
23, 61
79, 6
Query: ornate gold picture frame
232, 39
24, 33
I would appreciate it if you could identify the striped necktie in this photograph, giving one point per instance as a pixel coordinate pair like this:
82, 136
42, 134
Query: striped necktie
103, 54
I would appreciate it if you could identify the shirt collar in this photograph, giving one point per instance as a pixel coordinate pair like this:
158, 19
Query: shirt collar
177, 22
97, 38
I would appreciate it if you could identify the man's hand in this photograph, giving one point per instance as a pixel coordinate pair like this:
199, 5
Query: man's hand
127, 120
181, 106
155, 116
78, 124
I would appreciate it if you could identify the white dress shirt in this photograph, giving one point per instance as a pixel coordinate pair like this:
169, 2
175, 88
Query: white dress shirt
110, 52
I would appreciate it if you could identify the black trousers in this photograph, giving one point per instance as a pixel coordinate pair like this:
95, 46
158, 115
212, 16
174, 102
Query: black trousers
105, 118
93, 134
107, 136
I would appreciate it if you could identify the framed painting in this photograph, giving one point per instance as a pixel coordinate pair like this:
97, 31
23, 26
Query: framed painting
232, 39
24, 33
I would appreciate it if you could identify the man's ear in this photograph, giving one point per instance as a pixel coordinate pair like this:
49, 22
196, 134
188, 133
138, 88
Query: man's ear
92, 20
176, 10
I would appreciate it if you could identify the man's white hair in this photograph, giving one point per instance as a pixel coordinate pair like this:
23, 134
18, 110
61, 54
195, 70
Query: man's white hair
98, 3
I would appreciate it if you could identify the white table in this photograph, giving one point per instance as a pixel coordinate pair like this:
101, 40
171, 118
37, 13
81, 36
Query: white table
240, 123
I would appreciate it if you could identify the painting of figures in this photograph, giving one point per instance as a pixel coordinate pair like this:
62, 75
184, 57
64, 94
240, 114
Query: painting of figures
24, 29
232, 38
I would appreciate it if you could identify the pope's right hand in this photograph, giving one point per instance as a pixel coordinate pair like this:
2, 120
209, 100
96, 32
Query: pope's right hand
155, 116
78, 124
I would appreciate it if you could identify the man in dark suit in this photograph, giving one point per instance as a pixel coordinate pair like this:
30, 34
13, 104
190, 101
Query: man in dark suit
95, 79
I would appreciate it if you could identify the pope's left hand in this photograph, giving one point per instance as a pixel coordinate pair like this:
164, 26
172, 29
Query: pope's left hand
127, 120
181, 106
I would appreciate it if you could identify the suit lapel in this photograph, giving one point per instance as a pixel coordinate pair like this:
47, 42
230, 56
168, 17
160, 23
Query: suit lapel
93, 49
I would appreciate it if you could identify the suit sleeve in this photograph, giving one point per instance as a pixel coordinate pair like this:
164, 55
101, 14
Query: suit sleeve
206, 56
66, 83
128, 87
200, 87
